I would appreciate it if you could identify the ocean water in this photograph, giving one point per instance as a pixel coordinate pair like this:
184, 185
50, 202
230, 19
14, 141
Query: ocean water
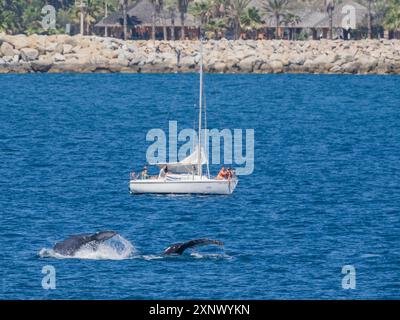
325, 191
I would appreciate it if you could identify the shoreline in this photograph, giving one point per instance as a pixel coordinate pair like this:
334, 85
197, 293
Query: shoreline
92, 54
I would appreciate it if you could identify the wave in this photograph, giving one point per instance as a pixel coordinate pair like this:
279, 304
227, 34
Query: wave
370, 255
195, 255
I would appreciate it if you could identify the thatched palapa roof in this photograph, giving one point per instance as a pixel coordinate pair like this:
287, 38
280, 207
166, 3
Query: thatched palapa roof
311, 17
141, 14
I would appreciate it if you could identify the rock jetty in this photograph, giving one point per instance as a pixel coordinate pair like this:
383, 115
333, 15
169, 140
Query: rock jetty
92, 54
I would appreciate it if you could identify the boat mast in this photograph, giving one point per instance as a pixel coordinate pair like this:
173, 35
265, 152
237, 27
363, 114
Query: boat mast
199, 166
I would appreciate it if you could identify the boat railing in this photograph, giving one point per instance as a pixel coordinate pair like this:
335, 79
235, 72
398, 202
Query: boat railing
136, 176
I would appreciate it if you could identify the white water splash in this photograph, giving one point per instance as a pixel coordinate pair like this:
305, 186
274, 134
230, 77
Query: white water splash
198, 255
116, 248
151, 257
50, 253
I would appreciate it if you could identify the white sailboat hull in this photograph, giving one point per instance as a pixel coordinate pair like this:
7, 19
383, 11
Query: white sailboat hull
198, 186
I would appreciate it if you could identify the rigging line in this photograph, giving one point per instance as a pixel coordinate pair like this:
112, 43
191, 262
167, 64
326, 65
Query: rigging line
206, 136
194, 124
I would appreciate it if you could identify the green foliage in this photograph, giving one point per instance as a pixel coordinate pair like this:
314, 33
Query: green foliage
392, 17
236, 9
276, 8
216, 16
290, 19
202, 10
251, 19
18, 16
11, 15
304, 35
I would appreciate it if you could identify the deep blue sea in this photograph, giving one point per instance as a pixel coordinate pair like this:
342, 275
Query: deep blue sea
325, 191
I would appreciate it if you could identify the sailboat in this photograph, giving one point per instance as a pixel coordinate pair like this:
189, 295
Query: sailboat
187, 176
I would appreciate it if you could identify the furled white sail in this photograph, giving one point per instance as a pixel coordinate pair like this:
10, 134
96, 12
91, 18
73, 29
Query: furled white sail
187, 165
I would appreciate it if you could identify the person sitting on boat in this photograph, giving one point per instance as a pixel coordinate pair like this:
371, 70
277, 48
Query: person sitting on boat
144, 175
163, 172
229, 173
221, 174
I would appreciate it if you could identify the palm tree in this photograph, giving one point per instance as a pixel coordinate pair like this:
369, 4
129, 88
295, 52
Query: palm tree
236, 9
31, 18
370, 18
183, 7
161, 6
330, 7
276, 8
157, 4
220, 8
251, 20
376, 11
216, 26
392, 17
123, 5
291, 19
171, 6
93, 10
202, 10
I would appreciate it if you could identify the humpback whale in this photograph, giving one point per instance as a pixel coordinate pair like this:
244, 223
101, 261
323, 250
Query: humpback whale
179, 248
72, 244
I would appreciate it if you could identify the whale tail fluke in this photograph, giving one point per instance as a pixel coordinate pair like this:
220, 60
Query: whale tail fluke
179, 248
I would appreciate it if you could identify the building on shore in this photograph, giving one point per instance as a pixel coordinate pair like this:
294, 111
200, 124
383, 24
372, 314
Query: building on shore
168, 24
349, 20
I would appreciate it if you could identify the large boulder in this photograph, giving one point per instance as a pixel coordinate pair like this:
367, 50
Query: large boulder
247, 64
41, 65
55, 47
58, 57
29, 54
276, 66
298, 59
218, 66
67, 48
187, 62
7, 49
20, 41
109, 54
77, 58
169, 58
99, 60
123, 60
8, 59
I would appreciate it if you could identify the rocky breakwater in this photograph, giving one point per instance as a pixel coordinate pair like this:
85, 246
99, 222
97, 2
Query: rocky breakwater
87, 54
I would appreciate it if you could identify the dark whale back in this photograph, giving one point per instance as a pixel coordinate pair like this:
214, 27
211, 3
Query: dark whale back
71, 245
